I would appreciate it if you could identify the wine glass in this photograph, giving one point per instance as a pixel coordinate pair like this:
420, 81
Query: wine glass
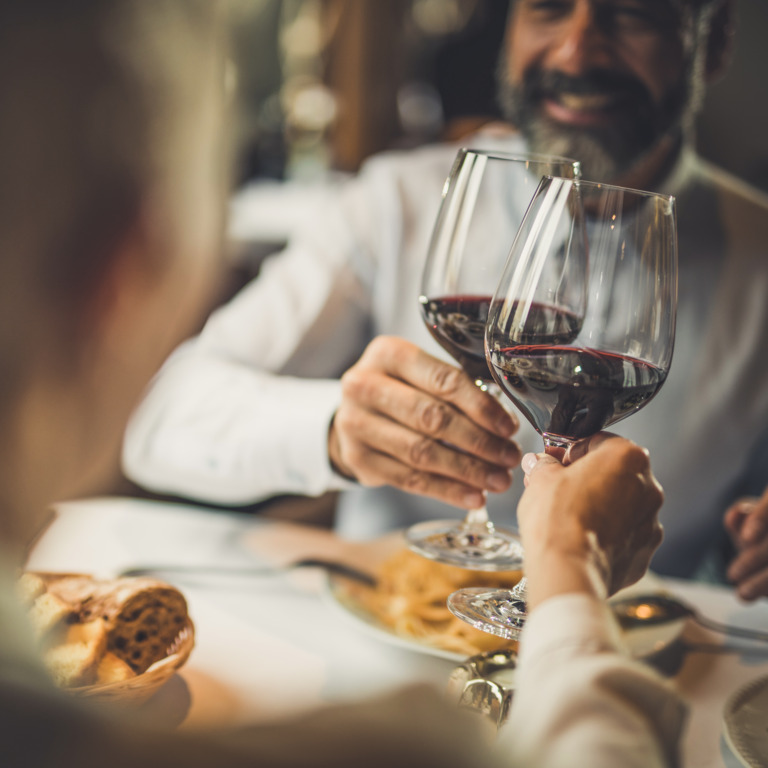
484, 200
581, 328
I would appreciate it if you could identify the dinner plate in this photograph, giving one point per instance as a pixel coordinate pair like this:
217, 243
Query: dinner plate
640, 642
745, 723
342, 599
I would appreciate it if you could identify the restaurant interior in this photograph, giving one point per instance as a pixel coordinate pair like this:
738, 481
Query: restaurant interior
273, 613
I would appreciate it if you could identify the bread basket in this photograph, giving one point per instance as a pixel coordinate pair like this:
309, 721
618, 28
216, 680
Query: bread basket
138, 689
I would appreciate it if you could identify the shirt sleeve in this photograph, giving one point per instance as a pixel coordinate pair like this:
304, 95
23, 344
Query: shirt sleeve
242, 412
579, 701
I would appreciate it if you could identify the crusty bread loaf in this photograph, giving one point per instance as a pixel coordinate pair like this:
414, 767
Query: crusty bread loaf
141, 618
143, 615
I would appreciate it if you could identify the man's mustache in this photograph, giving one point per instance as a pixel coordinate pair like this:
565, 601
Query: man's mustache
542, 84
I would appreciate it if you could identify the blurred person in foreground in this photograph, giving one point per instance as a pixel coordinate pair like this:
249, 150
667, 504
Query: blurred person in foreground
260, 404
109, 231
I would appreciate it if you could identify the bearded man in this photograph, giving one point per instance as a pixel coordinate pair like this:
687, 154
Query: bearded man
321, 375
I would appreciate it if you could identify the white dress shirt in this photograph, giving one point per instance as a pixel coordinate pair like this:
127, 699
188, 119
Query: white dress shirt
241, 412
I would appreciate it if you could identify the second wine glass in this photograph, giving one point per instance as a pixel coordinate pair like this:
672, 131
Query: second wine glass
581, 330
484, 200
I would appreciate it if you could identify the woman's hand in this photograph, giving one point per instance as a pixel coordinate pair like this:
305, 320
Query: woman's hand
591, 523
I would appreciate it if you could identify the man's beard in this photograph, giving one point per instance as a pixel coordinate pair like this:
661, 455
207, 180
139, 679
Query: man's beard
606, 151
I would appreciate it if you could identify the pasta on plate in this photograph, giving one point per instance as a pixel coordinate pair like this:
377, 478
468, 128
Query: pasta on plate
409, 600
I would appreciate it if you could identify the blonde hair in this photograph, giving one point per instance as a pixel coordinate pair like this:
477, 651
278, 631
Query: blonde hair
94, 97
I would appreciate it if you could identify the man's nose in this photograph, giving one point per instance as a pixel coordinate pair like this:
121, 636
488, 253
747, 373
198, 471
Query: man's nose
581, 42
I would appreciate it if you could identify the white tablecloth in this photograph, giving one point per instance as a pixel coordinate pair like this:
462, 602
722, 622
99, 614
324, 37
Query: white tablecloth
271, 646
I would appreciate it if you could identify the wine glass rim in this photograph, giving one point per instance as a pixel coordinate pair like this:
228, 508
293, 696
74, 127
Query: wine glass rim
521, 156
612, 187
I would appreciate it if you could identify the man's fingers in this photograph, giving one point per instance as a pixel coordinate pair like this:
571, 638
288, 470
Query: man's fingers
362, 433
409, 420
427, 415
411, 364
381, 469
755, 586
735, 516
427, 455
748, 562
746, 521
755, 526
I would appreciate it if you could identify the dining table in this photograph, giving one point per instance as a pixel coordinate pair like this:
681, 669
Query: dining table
278, 642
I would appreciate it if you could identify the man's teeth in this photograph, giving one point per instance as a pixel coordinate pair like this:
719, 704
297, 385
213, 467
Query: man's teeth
585, 101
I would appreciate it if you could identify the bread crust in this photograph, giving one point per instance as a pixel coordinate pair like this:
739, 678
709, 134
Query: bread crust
141, 618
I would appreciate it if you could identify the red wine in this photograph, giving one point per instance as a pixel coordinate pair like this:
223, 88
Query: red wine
571, 392
458, 325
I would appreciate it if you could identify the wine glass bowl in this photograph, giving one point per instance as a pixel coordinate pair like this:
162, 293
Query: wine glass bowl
580, 332
484, 200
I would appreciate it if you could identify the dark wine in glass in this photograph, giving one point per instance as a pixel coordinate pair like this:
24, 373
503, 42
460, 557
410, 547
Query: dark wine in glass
458, 325
581, 328
573, 392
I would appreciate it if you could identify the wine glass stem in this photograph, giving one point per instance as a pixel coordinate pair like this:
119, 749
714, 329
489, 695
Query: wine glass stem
555, 444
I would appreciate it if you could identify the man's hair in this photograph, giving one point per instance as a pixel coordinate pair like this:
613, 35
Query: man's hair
93, 95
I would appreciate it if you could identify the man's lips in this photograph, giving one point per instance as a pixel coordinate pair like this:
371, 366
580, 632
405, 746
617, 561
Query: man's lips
581, 108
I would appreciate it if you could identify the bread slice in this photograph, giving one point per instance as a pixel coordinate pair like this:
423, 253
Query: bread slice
143, 616
47, 613
75, 661
29, 587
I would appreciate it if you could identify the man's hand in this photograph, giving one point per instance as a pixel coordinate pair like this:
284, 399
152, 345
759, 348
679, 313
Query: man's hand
409, 420
747, 523
593, 518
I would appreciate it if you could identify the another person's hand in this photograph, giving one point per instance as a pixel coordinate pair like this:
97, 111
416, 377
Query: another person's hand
747, 523
589, 524
409, 420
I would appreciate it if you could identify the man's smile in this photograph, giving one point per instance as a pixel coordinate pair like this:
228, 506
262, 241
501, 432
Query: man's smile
581, 108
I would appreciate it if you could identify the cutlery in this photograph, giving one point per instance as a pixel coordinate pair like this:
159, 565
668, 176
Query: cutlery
649, 610
331, 566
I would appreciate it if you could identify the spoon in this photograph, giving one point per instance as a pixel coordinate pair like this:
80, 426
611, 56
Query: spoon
650, 610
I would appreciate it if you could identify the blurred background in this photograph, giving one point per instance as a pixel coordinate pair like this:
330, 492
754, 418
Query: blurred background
326, 83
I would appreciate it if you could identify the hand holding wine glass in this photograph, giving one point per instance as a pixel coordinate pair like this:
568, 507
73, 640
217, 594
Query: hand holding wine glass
484, 200
580, 332
414, 422
568, 518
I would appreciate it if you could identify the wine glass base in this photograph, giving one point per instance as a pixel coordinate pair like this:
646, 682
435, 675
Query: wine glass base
499, 612
479, 548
